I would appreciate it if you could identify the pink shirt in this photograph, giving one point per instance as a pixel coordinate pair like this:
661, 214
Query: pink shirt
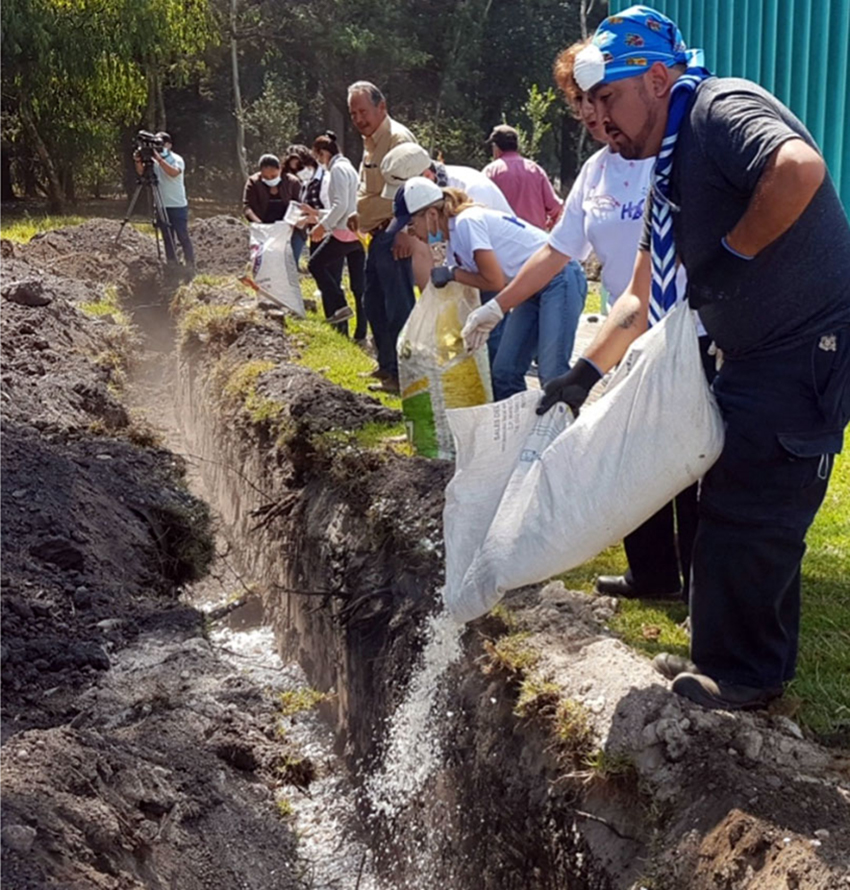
527, 189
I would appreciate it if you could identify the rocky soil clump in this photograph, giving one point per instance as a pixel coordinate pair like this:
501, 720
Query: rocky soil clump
221, 245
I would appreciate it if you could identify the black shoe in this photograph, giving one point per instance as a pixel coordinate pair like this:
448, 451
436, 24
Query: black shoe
619, 585
702, 690
670, 666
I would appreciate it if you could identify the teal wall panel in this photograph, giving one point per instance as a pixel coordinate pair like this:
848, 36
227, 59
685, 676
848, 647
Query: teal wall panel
797, 49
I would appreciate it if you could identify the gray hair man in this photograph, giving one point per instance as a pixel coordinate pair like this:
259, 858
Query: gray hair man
388, 297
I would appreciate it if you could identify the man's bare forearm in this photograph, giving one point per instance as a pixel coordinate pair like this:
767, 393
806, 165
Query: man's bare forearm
789, 182
625, 323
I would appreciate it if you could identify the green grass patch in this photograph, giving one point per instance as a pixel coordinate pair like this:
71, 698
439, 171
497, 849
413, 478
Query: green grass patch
207, 322
108, 305
336, 357
27, 227
511, 653
823, 666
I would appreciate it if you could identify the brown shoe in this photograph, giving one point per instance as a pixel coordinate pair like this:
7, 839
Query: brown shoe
702, 690
376, 372
388, 385
670, 666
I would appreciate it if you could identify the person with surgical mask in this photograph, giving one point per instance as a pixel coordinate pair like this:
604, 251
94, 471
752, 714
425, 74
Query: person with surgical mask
268, 192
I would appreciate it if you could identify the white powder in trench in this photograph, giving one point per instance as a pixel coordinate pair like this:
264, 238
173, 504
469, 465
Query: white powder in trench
414, 751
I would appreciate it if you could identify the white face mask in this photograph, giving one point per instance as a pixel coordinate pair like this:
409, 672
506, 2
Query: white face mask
305, 175
271, 183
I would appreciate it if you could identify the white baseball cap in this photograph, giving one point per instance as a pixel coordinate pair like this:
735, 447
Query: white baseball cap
416, 194
400, 164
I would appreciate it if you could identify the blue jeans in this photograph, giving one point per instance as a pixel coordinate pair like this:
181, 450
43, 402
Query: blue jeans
496, 334
178, 218
388, 298
299, 239
545, 325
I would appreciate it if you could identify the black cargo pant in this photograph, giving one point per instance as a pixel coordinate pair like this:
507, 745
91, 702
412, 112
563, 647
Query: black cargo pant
784, 416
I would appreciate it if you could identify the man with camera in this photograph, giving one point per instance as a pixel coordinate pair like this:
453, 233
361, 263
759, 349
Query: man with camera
168, 168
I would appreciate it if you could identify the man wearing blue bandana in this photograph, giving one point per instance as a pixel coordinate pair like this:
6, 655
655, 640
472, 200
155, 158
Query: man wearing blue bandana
742, 198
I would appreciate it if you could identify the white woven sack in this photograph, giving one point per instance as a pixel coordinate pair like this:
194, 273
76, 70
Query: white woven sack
510, 522
273, 265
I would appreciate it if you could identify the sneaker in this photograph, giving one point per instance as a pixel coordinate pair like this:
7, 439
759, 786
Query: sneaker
670, 666
702, 690
342, 314
388, 384
619, 585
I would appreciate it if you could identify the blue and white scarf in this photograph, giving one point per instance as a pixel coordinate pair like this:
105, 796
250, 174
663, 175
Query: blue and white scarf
664, 295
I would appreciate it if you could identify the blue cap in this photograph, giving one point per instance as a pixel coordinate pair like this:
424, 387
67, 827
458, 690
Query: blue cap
629, 43
401, 215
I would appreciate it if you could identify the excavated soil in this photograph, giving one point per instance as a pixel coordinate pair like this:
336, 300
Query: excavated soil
134, 755
221, 245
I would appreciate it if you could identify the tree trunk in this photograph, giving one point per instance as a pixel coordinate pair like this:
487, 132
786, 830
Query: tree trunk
150, 109
7, 193
160, 104
55, 195
237, 94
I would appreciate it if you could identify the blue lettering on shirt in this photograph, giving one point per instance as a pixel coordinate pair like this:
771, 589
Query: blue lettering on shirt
515, 221
632, 210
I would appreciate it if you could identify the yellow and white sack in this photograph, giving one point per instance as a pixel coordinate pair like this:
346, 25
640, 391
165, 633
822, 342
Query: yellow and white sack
435, 370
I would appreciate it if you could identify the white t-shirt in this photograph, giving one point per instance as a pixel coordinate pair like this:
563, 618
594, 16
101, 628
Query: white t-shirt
479, 187
172, 188
604, 211
479, 228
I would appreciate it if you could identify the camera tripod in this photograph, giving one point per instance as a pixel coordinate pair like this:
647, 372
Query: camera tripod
161, 226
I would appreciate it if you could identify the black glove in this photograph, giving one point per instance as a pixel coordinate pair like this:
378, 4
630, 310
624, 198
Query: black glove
442, 275
571, 388
719, 277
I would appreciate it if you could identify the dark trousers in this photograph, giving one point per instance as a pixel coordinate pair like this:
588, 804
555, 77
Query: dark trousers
326, 268
388, 298
178, 219
784, 417
659, 551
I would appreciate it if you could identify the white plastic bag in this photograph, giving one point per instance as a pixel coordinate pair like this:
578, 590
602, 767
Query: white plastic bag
514, 518
434, 369
273, 266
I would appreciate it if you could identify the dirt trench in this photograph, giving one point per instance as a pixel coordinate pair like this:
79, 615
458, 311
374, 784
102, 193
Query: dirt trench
569, 764
603, 779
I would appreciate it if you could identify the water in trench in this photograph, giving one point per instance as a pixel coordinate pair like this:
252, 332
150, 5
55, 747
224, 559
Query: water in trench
332, 850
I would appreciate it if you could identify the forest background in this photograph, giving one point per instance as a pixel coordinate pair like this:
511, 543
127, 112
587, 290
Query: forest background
232, 79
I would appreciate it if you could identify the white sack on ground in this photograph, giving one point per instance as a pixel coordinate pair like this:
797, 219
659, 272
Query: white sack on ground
513, 519
273, 265
434, 369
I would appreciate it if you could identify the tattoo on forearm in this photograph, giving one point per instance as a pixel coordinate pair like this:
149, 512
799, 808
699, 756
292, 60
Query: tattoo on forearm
627, 320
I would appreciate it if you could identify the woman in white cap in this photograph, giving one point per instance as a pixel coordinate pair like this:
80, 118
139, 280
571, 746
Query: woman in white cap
485, 249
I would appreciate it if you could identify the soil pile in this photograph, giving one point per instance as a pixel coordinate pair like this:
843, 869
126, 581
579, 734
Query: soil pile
134, 757
88, 252
221, 245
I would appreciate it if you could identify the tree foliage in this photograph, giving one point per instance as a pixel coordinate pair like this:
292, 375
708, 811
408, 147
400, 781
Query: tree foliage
79, 75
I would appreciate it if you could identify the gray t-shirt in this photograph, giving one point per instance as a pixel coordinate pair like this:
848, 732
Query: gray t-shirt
797, 287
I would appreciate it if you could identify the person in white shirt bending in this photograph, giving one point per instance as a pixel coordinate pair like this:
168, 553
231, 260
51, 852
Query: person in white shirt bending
337, 240
485, 249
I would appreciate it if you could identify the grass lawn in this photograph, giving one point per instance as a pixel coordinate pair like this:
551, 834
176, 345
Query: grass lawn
820, 694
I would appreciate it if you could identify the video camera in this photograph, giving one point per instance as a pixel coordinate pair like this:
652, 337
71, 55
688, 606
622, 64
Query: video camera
146, 144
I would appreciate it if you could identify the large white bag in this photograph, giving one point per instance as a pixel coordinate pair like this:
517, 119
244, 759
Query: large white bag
435, 371
532, 497
273, 266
